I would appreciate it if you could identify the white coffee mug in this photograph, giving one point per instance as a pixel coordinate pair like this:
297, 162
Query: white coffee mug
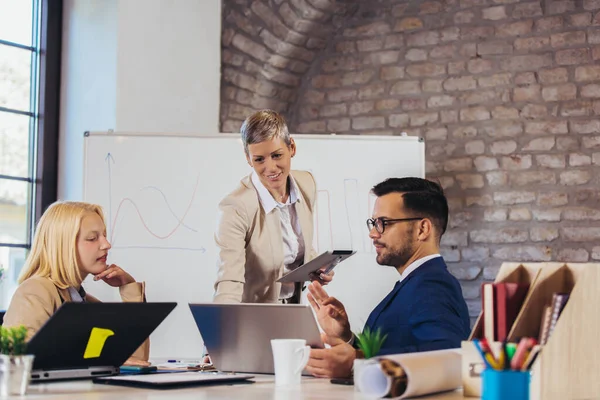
289, 357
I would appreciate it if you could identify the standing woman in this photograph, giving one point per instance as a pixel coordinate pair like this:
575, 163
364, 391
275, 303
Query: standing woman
265, 226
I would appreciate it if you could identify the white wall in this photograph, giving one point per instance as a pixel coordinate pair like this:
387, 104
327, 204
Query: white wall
136, 65
168, 62
88, 84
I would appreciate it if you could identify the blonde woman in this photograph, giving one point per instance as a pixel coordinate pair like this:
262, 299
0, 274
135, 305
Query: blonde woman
69, 244
265, 226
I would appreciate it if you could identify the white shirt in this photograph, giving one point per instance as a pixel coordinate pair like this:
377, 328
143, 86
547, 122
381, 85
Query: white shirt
416, 264
293, 240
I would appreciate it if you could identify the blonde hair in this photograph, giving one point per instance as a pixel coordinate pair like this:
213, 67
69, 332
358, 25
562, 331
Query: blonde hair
53, 253
264, 125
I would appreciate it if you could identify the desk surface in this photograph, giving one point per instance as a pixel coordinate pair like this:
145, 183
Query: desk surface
263, 388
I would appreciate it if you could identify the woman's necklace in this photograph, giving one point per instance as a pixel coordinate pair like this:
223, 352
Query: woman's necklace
282, 198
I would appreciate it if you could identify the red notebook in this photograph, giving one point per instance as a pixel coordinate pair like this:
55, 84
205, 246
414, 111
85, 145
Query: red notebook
509, 298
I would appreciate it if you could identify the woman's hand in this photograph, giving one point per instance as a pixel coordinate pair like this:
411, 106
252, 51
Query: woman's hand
115, 276
321, 277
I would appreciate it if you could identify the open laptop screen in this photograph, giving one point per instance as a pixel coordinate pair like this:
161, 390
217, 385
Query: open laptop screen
82, 335
238, 336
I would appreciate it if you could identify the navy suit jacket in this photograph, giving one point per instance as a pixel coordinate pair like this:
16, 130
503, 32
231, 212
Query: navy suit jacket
426, 311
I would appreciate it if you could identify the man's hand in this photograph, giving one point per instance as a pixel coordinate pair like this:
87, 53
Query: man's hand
335, 362
115, 276
331, 313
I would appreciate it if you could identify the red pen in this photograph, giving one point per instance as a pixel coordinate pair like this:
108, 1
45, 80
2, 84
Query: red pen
525, 344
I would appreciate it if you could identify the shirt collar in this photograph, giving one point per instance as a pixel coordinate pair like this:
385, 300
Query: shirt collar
266, 199
416, 264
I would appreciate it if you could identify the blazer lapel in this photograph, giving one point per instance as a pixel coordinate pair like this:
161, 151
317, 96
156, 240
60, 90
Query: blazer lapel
372, 320
64, 295
273, 223
307, 234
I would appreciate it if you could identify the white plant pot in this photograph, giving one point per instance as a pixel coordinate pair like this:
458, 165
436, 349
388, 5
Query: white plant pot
359, 364
15, 374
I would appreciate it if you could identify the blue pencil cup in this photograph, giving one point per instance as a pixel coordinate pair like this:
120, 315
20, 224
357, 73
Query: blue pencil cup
505, 385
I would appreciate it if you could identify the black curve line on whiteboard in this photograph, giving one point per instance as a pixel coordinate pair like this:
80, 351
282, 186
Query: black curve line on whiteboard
146, 227
108, 159
370, 207
329, 215
348, 218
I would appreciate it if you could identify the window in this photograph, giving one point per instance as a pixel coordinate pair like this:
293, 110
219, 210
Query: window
29, 67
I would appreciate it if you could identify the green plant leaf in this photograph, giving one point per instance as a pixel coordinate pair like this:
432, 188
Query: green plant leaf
13, 341
370, 341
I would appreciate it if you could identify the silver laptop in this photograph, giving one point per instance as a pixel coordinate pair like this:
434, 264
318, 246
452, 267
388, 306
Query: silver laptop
238, 336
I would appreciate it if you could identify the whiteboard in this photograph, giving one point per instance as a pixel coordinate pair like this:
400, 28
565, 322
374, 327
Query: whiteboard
160, 195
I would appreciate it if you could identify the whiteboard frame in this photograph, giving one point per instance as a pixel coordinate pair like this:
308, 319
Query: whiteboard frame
331, 136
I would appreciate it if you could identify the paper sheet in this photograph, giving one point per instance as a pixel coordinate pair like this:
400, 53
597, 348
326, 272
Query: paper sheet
426, 372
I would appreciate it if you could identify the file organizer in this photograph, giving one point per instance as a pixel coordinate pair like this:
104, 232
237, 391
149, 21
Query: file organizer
568, 365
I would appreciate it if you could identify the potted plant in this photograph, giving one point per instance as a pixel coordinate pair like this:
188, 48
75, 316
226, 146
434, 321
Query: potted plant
369, 343
15, 365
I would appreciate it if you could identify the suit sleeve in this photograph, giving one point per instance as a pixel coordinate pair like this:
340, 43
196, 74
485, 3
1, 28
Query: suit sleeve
434, 321
32, 305
230, 238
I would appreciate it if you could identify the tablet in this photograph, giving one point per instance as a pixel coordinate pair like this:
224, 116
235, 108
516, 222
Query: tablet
327, 260
172, 380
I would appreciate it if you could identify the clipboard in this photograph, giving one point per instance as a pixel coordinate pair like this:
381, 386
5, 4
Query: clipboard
327, 260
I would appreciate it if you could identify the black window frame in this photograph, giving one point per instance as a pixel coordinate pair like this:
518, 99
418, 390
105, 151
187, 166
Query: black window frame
45, 110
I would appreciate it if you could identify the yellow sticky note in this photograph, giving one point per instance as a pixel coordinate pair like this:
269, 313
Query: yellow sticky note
96, 342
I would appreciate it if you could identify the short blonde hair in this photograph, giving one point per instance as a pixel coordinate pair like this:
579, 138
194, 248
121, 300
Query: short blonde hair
264, 125
54, 250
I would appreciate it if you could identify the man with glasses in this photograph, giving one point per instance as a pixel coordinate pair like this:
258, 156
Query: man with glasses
425, 310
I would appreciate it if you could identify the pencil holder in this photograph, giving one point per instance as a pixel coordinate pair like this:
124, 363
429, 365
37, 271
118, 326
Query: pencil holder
503, 385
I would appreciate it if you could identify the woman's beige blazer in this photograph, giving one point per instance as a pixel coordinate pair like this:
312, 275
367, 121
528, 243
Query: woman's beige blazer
250, 243
37, 299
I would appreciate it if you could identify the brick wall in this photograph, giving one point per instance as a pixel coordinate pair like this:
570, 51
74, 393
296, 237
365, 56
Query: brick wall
268, 46
506, 94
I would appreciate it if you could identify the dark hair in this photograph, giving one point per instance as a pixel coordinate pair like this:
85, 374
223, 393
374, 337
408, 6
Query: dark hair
421, 197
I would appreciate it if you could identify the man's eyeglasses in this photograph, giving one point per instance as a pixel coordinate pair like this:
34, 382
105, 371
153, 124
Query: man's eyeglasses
379, 223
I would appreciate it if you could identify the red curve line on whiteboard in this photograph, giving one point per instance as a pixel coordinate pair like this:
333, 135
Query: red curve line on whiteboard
329, 213
179, 224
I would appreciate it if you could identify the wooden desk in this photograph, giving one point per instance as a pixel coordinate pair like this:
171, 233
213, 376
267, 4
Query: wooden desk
264, 388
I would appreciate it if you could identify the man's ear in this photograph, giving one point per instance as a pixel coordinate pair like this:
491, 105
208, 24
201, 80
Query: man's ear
425, 229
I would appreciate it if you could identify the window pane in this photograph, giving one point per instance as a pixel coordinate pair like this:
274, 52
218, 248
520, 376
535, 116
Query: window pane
14, 145
11, 262
15, 21
14, 206
15, 77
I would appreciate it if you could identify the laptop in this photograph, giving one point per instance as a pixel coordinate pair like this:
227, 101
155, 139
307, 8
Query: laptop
87, 340
238, 336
